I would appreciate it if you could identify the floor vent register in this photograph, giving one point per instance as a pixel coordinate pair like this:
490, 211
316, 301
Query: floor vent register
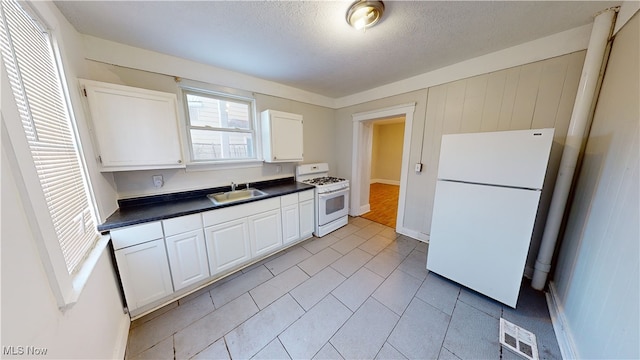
518, 340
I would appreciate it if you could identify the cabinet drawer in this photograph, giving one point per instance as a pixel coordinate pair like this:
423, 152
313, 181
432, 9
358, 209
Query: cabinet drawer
182, 224
137, 234
219, 216
306, 195
288, 200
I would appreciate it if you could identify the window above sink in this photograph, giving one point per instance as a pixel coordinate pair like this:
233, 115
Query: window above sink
221, 128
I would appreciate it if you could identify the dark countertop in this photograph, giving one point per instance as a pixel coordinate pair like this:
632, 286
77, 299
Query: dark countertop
159, 207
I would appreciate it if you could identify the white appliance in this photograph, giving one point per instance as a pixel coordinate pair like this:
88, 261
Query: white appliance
332, 197
485, 206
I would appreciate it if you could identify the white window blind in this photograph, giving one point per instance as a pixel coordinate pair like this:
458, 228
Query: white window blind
36, 85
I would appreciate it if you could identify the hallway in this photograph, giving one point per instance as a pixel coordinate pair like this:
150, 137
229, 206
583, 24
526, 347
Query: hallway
383, 199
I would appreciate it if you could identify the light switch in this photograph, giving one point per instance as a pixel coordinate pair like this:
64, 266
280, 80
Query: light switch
418, 167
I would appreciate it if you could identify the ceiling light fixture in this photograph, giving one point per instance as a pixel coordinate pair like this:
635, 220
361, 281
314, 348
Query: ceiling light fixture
363, 14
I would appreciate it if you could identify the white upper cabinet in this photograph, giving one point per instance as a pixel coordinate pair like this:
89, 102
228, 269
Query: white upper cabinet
281, 136
134, 129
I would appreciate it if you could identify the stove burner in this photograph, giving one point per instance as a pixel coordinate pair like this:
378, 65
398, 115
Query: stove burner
324, 180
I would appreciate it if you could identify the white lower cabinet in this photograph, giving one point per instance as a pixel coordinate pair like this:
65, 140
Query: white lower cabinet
155, 259
290, 223
307, 212
144, 271
186, 250
290, 218
265, 232
188, 258
307, 218
227, 245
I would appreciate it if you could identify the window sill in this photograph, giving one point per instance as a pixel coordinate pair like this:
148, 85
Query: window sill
81, 278
206, 166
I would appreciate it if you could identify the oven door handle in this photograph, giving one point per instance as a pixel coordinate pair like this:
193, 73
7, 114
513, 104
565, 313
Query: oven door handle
325, 194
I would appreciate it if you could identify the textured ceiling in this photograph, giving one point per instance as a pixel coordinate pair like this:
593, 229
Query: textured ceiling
308, 44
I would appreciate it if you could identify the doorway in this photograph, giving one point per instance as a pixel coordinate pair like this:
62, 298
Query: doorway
361, 159
385, 170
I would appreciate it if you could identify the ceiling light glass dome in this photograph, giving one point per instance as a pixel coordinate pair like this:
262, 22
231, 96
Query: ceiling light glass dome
364, 14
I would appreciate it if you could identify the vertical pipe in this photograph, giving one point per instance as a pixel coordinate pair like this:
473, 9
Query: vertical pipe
579, 123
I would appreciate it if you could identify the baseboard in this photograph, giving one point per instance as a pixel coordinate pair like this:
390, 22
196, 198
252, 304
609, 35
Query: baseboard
560, 327
384, 181
364, 209
413, 234
123, 337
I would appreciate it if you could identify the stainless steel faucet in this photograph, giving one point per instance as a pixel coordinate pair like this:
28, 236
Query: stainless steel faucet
233, 186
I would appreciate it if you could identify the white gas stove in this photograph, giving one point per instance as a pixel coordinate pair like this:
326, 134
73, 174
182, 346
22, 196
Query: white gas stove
332, 197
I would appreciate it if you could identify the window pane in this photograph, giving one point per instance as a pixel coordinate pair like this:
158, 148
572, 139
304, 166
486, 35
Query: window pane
218, 113
216, 145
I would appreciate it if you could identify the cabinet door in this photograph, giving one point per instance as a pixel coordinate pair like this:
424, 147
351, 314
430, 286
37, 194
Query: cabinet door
290, 223
134, 128
265, 232
227, 245
282, 136
144, 271
287, 138
307, 218
188, 258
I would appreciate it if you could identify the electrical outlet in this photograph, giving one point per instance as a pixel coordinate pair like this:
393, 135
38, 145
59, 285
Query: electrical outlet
158, 181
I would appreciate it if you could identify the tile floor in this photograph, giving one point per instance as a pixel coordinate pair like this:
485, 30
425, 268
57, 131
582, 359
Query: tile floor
359, 293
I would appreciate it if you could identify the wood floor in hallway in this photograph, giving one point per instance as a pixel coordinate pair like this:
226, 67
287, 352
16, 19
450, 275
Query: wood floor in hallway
383, 199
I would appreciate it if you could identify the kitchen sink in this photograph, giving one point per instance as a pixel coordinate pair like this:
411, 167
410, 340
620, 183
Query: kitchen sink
235, 195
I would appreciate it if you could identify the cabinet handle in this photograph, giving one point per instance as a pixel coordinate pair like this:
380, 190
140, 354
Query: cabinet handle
179, 161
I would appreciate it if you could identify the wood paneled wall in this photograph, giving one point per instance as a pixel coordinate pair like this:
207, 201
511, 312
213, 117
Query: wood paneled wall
597, 278
536, 95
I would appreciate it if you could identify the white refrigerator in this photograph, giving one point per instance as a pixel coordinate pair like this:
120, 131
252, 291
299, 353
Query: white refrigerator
485, 205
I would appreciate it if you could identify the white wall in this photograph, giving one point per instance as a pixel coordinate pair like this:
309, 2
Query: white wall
318, 136
532, 96
386, 153
95, 327
535, 95
597, 276
338, 137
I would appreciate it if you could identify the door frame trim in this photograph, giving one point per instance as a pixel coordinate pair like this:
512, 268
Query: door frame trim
362, 134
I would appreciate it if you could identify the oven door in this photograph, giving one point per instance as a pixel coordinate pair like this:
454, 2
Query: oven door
332, 205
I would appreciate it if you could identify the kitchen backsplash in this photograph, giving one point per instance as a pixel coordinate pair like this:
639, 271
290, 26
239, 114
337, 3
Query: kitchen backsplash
140, 183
